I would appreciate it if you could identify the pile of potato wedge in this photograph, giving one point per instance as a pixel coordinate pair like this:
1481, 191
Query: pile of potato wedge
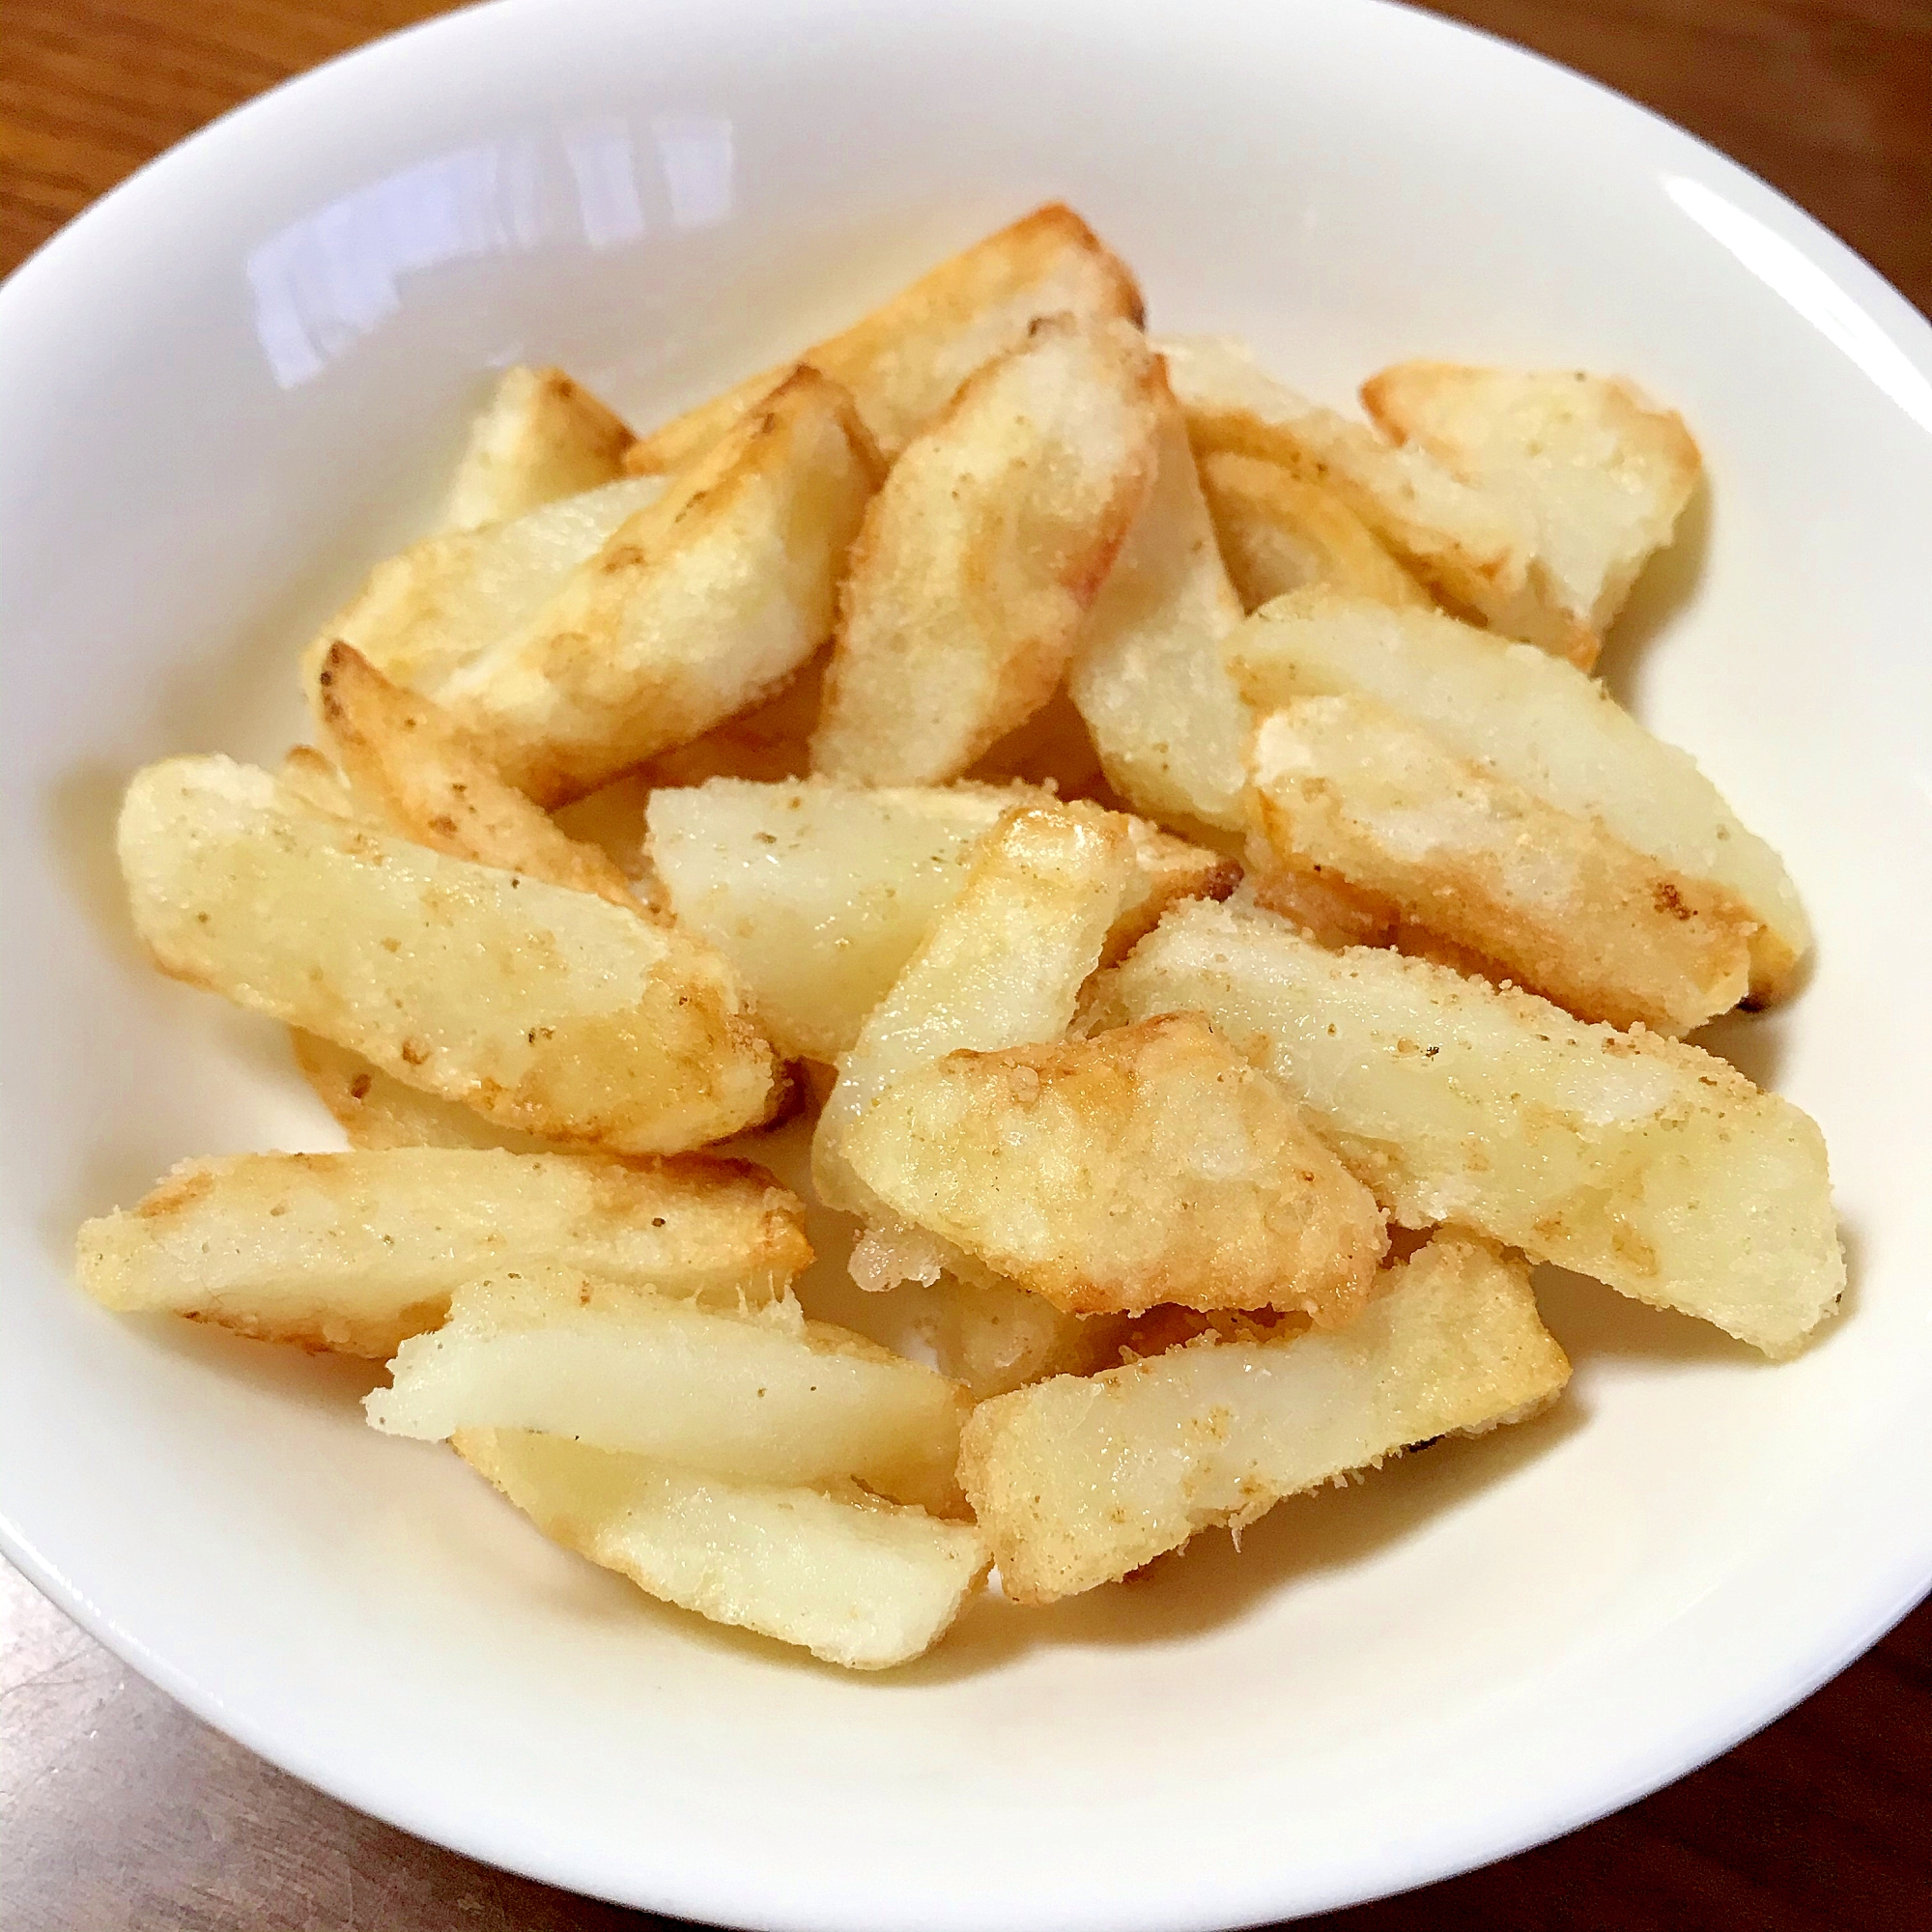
1161, 839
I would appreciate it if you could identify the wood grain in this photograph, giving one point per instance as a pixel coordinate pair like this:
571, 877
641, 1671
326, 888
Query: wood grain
121, 1813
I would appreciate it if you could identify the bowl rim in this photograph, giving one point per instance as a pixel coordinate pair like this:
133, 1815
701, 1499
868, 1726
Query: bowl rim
1894, 1586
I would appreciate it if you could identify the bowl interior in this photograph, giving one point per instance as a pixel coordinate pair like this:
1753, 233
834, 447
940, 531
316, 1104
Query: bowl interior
241, 379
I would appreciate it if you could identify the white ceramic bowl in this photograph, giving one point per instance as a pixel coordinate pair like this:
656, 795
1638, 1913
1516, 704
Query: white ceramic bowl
238, 380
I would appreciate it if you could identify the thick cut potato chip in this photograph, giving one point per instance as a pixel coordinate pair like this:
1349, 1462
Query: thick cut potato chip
982, 552
1147, 679
545, 1009
1079, 1480
540, 436
905, 360
423, 615
762, 1396
1346, 789
1278, 530
1150, 1164
374, 1110
1474, 549
1001, 965
436, 783
1601, 476
817, 892
1643, 1161
855, 1582
698, 607
1542, 724
356, 1251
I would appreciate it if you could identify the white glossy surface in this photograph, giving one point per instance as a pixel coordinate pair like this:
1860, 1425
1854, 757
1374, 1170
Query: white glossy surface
242, 375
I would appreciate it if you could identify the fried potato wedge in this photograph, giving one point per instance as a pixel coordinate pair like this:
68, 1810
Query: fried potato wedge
545, 1009
1148, 678
1543, 725
1475, 549
1601, 476
855, 1582
982, 552
905, 360
311, 781
1646, 1162
1001, 964
818, 892
1344, 789
540, 436
1278, 530
697, 607
770, 742
760, 1396
423, 615
1150, 1164
354, 1252
436, 783
374, 1110
1079, 1480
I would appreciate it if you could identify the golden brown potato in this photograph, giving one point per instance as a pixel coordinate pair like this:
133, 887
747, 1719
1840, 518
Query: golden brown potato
1542, 724
1473, 549
1344, 789
540, 436
903, 362
310, 781
982, 552
1079, 1480
1168, 724
857, 1581
697, 608
760, 1395
1279, 531
424, 613
770, 742
1643, 1161
436, 783
1600, 475
544, 1008
354, 1252
1150, 1164
1001, 965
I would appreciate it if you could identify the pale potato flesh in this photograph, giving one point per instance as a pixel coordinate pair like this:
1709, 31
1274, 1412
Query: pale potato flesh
760, 1396
541, 436
436, 784
1079, 1480
354, 1252
1148, 678
1279, 531
697, 607
904, 361
423, 615
547, 1009
1001, 965
1602, 476
1542, 725
993, 1336
1148, 1164
982, 552
1346, 789
855, 1582
1468, 546
818, 892
1643, 1161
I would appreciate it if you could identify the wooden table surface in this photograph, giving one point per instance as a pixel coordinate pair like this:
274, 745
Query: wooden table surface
119, 1811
